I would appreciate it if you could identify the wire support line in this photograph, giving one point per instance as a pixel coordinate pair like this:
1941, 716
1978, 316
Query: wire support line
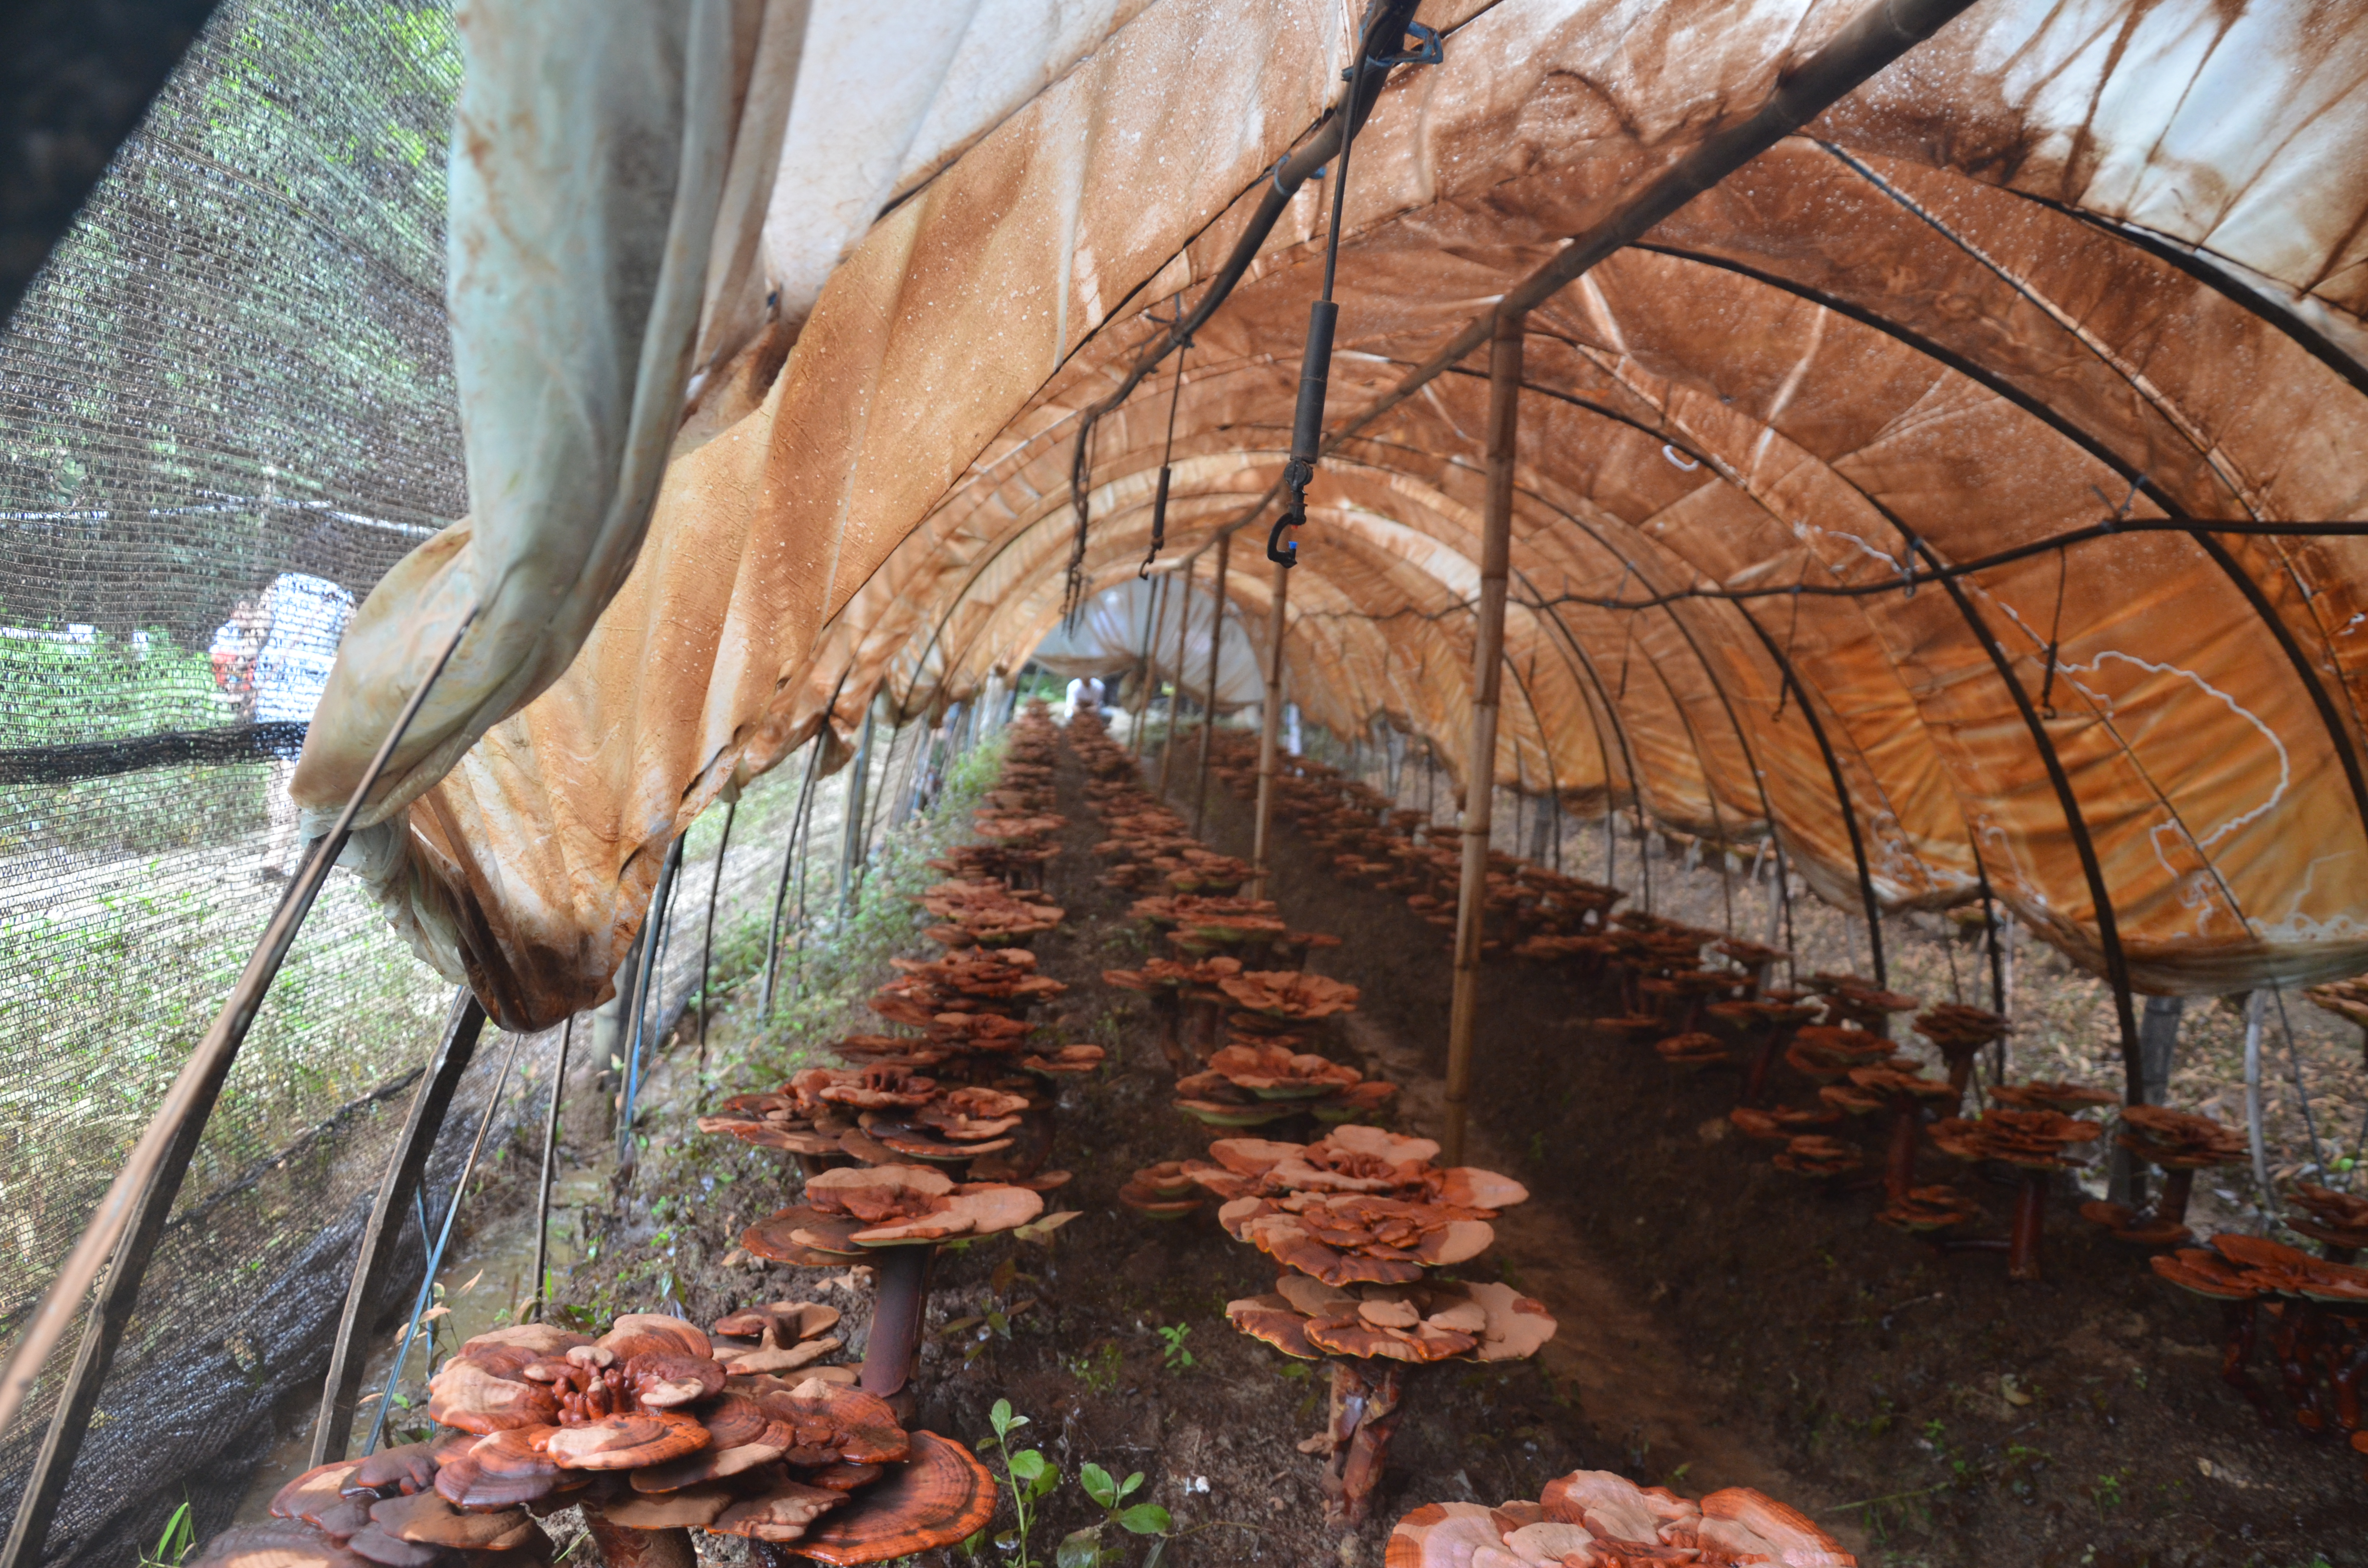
130, 1216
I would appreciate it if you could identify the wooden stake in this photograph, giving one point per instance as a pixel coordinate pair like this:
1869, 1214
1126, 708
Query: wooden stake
1176, 692
1270, 724
1209, 709
1487, 681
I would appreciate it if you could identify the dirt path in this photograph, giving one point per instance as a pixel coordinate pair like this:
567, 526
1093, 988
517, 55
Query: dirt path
1631, 1375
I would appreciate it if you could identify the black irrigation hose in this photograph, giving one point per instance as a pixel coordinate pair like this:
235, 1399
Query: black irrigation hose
1290, 172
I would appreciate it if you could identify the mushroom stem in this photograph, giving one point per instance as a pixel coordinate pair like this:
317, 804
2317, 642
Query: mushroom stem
2240, 1329
1899, 1166
2171, 1207
903, 1296
2030, 1218
1365, 1409
1167, 1013
623, 1546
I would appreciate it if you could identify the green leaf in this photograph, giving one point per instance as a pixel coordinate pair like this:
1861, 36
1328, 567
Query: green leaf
1027, 1464
1080, 1549
1044, 1483
1097, 1484
1127, 1490
1144, 1518
1002, 1420
958, 1325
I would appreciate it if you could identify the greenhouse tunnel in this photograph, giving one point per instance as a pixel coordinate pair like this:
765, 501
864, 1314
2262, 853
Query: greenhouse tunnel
1703, 550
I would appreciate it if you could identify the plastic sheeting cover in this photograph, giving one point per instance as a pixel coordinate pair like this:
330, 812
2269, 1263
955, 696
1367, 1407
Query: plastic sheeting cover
2066, 262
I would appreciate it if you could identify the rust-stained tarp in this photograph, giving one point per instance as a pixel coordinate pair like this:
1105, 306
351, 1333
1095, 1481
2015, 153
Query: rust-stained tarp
2066, 261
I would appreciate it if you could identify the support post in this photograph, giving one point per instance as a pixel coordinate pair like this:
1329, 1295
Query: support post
1151, 614
1269, 726
374, 1263
540, 1286
1209, 709
1488, 684
1176, 693
850, 844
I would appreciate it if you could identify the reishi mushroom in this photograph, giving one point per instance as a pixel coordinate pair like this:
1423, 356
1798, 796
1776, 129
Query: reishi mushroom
1594, 1519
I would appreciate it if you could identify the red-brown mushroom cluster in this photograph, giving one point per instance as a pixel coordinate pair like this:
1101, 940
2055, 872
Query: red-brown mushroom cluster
2316, 1313
652, 1433
1594, 1519
1359, 1221
2181, 1144
2038, 1144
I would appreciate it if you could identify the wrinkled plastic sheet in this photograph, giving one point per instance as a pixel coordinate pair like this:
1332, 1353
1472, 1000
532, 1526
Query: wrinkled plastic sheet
2060, 249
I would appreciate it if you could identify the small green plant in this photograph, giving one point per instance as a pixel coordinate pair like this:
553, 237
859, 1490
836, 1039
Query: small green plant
1099, 1369
1031, 1476
1172, 1353
1083, 1548
2107, 1493
175, 1543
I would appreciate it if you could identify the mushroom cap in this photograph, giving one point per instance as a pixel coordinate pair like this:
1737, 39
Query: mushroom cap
783, 1512
785, 1322
2203, 1273
1611, 1505
942, 1494
407, 1467
653, 1334
678, 1509
780, 1237
1744, 1523
278, 1543
664, 1380
470, 1395
1380, 1144
1444, 1535
873, 1192
1929, 1209
538, 1338
1275, 1320
1517, 1327
828, 1422
504, 1471
317, 1491
976, 1210
425, 1519
625, 1441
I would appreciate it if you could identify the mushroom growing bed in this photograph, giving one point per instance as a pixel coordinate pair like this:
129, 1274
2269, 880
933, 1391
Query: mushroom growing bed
1763, 1332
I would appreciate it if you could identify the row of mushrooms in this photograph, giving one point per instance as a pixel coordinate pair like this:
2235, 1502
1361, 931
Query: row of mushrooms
654, 1430
1376, 1244
1704, 1000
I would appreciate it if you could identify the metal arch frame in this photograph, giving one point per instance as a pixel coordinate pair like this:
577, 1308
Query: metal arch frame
2117, 970
1841, 796
1588, 405
2340, 735
1594, 677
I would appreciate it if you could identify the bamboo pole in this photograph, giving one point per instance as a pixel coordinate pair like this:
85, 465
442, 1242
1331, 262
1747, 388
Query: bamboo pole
1151, 614
1208, 711
1269, 724
1487, 682
1176, 692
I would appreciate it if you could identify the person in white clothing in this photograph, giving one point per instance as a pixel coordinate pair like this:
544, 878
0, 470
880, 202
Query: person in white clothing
300, 618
